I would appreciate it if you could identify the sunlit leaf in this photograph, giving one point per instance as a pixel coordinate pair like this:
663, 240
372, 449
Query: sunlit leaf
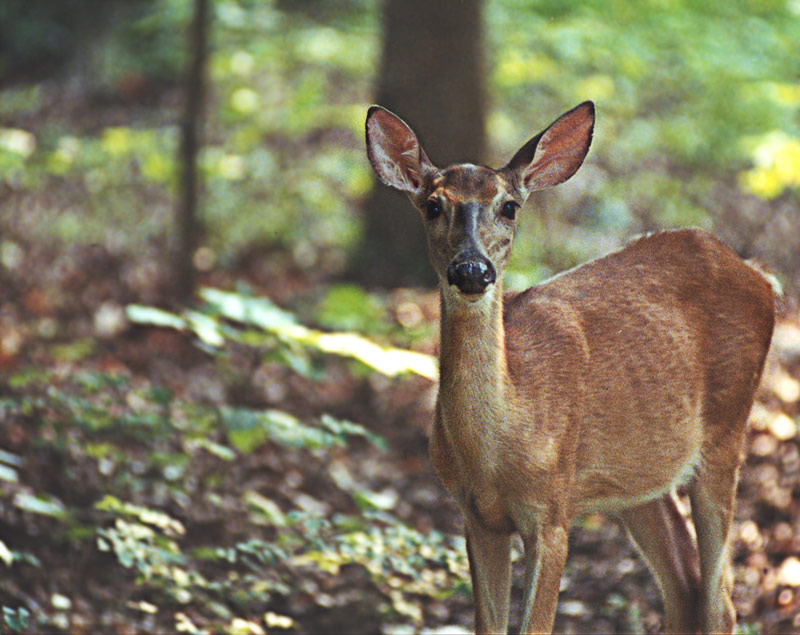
40, 504
342, 427
146, 515
273, 620
264, 314
11, 459
218, 450
248, 429
266, 508
16, 141
367, 499
5, 554
8, 474
248, 310
156, 317
206, 328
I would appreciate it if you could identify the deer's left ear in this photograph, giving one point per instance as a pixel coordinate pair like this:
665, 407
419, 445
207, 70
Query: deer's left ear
556, 153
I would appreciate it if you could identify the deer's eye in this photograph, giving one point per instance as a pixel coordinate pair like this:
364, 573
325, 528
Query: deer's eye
432, 209
509, 210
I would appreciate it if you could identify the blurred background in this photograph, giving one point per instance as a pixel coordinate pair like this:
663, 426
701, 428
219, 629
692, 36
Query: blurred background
151, 150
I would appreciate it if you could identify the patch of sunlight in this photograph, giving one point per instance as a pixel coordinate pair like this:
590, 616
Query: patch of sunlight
5, 554
66, 153
389, 361
320, 44
154, 316
501, 126
520, 68
242, 62
244, 100
783, 93
40, 504
262, 313
232, 167
257, 311
117, 141
17, 141
776, 158
596, 87
273, 620
158, 167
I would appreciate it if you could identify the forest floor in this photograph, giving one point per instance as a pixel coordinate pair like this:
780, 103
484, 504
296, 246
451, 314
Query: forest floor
62, 314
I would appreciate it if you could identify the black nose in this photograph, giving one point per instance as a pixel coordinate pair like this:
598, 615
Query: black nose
472, 275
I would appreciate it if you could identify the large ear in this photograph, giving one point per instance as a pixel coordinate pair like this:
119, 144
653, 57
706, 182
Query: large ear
556, 153
394, 151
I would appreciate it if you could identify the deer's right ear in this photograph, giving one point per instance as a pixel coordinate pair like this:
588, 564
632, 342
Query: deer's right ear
394, 151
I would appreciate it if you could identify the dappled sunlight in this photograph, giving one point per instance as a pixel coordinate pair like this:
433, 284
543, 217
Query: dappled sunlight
261, 312
257, 462
776, 158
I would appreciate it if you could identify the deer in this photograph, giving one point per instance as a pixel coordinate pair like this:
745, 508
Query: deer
602, 389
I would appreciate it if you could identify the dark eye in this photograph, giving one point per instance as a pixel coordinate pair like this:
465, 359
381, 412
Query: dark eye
509, 210
432, 209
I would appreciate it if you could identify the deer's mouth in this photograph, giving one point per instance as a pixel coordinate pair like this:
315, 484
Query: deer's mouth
472, 298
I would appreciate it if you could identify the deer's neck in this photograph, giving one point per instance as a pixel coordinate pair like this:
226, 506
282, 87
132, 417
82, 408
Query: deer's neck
473, 369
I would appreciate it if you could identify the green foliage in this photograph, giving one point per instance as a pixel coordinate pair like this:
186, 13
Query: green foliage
349, 307
249, 429
16, 619
406, 567
688, 93
277, 81
84, 415
280, 333
404, 563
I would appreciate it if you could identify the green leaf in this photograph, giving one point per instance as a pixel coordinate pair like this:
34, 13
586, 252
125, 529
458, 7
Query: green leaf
367, 499
16, 619
8, 474
156, 317
342, 428
259, 312
218, 450
164, 522
11, 459
266, 508
40, 504
249, 429
5, 554
264, 314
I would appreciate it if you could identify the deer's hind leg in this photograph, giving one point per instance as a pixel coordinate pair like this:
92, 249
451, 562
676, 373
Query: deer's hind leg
713, 494
659, 531
713, 490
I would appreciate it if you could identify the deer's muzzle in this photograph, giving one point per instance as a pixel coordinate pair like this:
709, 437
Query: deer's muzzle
471, 275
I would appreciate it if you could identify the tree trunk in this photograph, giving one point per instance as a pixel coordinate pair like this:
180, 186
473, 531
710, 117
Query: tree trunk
190, 143
432, 76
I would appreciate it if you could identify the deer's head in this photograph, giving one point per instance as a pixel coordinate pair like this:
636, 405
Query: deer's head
470, 211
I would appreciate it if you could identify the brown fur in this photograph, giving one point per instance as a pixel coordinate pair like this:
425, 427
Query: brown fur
601, 389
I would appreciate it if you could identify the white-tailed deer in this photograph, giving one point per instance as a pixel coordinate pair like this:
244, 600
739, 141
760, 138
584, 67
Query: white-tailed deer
602, 389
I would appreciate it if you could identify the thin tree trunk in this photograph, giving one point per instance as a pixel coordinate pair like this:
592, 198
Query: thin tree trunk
190, 142
432, 76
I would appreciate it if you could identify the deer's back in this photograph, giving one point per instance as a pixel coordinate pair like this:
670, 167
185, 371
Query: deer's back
685, 286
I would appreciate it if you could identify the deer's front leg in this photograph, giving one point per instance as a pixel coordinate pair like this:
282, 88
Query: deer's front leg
490, 568
545, 556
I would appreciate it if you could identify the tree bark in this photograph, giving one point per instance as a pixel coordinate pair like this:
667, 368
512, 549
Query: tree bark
432, 76
190, 142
